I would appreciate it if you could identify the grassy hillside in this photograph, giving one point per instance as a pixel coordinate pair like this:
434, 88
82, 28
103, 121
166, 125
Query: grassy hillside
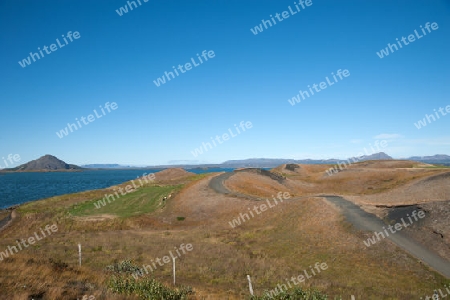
272, 247
144, 200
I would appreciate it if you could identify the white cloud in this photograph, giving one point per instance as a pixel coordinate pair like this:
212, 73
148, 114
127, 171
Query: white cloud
388, 136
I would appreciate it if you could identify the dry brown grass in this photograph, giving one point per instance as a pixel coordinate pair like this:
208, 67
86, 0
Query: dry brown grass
276, 245
255, 185
365, 178
271, 247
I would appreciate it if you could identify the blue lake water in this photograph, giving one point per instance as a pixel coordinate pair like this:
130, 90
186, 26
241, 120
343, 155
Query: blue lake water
17, 188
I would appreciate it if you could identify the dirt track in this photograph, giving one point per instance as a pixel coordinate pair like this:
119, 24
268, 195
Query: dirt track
362, 220
216, 183
366, 221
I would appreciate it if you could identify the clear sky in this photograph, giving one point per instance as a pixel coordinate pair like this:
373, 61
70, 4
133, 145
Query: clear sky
250, 78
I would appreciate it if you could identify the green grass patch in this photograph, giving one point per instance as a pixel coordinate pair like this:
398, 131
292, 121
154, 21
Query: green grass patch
141, 201
84, 200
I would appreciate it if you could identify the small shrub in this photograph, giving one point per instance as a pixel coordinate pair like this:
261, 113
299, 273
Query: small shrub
123, 267
122, 283
147, 289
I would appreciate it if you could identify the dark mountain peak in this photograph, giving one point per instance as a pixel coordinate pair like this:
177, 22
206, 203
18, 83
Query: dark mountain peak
377, 156
49, 156
46, 163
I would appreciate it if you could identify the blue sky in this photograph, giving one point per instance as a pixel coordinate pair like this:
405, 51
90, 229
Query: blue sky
250, 78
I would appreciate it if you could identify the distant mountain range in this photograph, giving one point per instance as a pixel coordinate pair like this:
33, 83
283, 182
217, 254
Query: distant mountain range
274, 162
271, 163
435, 159
51, 163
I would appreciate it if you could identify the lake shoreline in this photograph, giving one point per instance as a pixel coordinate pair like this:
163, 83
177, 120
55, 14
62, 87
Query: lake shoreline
24, 187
